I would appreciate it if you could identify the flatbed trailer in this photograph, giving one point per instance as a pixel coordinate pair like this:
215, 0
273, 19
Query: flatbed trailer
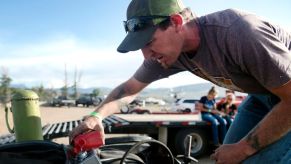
171, 129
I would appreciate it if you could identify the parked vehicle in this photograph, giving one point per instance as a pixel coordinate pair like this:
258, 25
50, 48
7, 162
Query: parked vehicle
184, 105
88, 100
62, 101
134, 108
126, 110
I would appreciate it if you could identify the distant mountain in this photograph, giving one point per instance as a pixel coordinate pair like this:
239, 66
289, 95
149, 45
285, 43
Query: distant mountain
195, 91
21, 86
103, 90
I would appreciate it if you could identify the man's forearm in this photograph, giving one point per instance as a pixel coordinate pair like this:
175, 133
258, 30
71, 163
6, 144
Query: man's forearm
275, 125
114, 101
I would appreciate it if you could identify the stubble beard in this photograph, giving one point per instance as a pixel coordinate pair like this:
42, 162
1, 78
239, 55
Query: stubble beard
164, 65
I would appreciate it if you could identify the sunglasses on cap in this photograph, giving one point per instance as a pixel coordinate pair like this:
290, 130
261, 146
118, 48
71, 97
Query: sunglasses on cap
141, 22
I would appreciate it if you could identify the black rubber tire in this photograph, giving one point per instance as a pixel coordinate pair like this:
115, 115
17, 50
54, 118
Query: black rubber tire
146, 112
187, 110
199, 142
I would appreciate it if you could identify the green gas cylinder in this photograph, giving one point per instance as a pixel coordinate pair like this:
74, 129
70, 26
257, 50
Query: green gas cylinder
26, 116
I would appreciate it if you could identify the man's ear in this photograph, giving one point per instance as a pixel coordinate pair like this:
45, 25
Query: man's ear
177, 19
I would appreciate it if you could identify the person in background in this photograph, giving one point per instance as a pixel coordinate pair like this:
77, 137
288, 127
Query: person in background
222, 100
228, 108
209, 113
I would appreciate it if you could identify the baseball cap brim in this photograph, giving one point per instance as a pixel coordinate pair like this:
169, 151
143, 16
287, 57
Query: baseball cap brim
136, 40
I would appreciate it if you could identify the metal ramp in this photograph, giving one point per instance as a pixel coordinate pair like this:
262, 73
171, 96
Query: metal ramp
62, 129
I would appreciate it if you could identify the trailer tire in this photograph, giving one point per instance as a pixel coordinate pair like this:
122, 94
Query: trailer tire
199, 142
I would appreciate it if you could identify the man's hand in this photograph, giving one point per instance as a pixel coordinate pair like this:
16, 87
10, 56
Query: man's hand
232, 153
90, 123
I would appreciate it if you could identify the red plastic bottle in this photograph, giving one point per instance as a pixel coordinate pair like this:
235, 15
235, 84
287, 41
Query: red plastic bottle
87, 141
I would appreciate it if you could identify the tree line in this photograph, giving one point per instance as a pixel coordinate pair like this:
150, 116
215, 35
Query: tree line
44, 94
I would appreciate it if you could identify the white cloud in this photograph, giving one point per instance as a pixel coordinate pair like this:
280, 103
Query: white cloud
44, 63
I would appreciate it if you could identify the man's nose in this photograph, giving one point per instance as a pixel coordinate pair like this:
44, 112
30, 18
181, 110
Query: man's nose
147, 53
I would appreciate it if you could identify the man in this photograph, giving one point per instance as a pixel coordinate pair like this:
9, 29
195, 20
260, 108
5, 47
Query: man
230, 48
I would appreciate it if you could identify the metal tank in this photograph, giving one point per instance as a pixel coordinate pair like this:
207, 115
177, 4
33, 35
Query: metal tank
26, 116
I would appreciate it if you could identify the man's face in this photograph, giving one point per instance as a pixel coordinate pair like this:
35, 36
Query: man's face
165, 46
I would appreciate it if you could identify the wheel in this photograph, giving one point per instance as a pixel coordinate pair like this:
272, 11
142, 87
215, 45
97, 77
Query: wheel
98, 101
187, 110
199, 142
124, 109
150, 151
146, 112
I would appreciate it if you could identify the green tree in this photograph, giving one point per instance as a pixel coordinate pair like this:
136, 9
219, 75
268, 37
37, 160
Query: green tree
45, 94
95, 92
40, 91
64, 89
5, 90
75, 87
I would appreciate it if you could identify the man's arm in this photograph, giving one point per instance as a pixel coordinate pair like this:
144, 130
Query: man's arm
121, 95
275, 125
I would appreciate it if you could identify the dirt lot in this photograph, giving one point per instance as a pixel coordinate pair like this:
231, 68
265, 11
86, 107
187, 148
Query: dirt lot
61, 114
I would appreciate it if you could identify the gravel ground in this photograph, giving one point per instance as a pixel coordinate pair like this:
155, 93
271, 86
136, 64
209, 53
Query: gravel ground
60, 114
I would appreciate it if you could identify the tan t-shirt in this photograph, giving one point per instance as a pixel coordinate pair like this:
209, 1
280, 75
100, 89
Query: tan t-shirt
238, 51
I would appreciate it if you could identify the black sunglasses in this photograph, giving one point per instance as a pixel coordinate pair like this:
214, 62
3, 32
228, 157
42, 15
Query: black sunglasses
141, 22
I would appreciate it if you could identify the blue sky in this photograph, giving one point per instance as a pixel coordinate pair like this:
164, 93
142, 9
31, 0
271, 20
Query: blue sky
38, 38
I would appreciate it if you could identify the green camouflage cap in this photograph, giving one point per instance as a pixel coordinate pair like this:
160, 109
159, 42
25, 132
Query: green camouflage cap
137, 8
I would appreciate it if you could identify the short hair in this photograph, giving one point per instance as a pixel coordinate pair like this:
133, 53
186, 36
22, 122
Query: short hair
186, 13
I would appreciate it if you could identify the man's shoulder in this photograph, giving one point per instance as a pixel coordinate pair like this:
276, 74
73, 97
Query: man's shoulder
223, 18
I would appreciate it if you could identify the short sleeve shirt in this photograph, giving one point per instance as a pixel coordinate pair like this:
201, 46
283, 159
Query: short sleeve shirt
207, 104
230, 110
238, 51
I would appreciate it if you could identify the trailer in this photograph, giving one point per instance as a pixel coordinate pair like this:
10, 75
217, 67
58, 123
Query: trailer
171, 129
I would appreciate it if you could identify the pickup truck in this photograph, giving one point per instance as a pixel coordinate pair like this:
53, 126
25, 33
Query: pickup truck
62, 101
